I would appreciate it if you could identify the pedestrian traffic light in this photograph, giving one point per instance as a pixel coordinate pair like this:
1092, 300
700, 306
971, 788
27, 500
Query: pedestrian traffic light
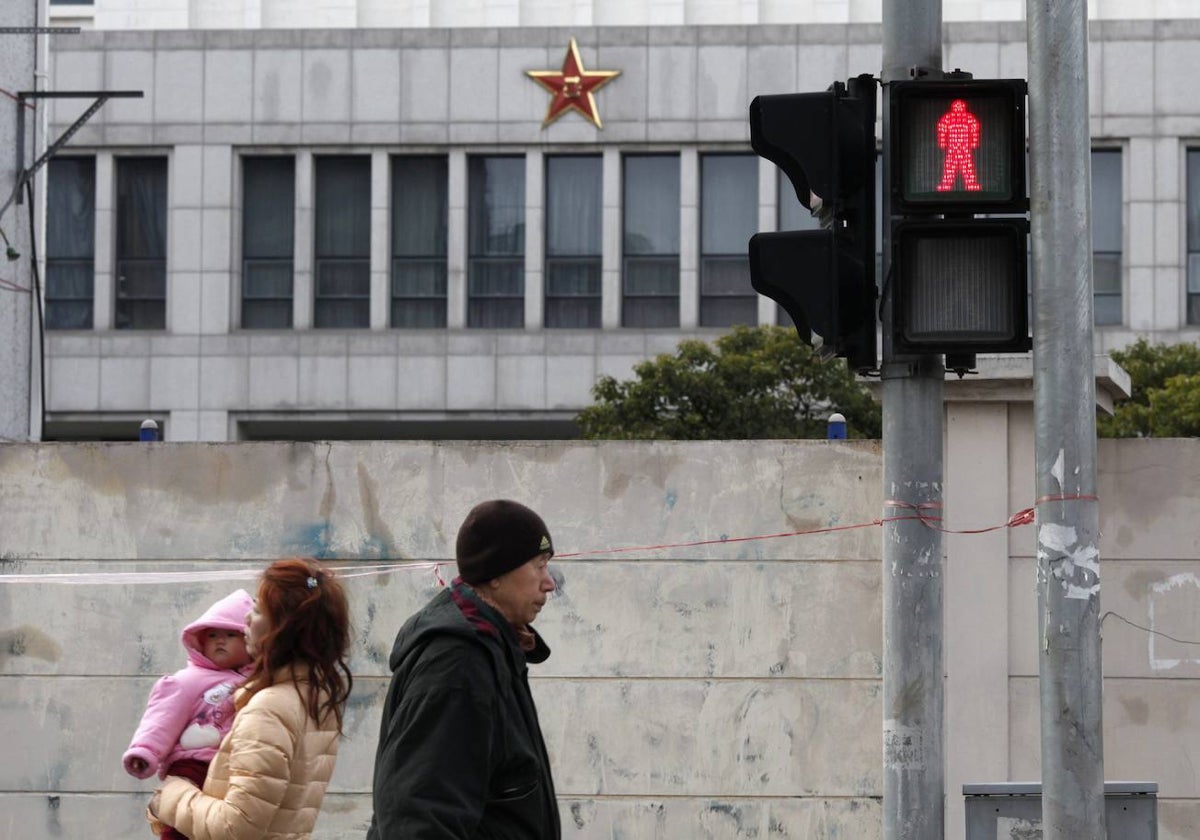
958, 283
825, 279
959, 287
957, 146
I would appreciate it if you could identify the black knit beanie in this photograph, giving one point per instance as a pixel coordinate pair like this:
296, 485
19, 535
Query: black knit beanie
498, 536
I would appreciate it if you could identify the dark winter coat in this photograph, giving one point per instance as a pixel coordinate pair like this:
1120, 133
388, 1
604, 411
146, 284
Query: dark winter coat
461, 755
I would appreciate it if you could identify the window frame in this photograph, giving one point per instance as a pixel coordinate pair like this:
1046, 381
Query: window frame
1191, 265
514, 314
783, 188
708, 260
1119, 294
124, 316
589, 261
629, 299
359, 260
438, 260
80, 303
289, 260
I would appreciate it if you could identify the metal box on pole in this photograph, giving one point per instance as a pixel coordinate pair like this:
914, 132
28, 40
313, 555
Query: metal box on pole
1013, 810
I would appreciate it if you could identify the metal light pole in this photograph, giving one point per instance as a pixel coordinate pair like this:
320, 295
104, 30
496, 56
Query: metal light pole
1068, 517
913, 764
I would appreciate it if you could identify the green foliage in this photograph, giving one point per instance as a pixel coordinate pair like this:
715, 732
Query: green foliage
1166, 392
756, 382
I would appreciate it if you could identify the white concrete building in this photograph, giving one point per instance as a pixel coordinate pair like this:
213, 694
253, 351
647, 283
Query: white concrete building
289, 14
346, 219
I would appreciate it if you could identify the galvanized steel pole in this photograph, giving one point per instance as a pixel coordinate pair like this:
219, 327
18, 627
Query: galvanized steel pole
913, 765
1068, 517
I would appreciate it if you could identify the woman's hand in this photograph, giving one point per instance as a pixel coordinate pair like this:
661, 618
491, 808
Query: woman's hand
157, 827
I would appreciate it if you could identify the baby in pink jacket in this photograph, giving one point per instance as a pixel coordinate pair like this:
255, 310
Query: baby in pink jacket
190, 711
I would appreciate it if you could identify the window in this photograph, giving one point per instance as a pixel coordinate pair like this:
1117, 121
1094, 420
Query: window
1193, 237
70, 243
343, 242
878, 219
420, 207
268, 233
728, 218
793, 215
1106, 235
650, 242
496, 242
141, 257
573, 224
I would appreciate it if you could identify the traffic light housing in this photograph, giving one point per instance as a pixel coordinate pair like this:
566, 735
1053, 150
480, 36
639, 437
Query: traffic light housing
958, 283
959, 287
824, 279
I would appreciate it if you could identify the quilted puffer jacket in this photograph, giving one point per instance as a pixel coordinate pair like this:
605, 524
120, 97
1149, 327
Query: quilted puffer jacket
267, 779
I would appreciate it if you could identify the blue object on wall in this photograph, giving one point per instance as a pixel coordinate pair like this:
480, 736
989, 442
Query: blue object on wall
149, 430
837, 427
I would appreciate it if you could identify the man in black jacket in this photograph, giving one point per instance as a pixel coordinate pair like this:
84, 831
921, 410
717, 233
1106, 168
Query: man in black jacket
461, 754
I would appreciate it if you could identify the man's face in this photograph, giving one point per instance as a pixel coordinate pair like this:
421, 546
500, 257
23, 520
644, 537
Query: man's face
521, 593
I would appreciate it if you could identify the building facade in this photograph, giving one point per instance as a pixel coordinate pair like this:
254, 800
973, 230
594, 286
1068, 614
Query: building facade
372, 223
289, 14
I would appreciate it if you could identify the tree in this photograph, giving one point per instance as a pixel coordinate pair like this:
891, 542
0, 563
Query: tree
754, 382
1166, 392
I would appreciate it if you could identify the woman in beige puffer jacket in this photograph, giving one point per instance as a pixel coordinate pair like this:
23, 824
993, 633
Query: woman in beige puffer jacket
270, 774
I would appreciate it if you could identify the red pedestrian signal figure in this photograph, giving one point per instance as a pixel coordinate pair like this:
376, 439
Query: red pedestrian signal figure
958, 134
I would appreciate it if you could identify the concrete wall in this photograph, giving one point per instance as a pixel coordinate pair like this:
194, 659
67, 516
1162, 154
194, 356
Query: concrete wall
718, 691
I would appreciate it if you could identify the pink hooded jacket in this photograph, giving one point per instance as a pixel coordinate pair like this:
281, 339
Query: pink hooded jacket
190, 711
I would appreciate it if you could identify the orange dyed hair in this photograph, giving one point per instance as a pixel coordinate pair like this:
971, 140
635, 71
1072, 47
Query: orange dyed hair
309, 624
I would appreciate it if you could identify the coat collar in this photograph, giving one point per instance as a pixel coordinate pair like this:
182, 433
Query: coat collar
488, 620
295, 673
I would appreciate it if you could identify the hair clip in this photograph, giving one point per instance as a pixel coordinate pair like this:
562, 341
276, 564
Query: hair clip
311, 583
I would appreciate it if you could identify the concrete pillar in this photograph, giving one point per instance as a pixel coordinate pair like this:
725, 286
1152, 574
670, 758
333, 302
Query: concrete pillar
988, 470
184, 235
768, 219
977, 475
102, 291
302, 256
220, 243
535, 239
456, 242
610, 255
381, 242
689, 239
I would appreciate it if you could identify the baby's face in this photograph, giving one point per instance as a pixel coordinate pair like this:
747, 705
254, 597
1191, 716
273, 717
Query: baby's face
225, 648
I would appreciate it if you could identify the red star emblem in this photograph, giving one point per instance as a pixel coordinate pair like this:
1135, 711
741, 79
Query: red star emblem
572, 86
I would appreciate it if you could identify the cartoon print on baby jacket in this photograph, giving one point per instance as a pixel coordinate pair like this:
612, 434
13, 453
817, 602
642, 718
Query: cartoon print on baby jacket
211, 723
190, 711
